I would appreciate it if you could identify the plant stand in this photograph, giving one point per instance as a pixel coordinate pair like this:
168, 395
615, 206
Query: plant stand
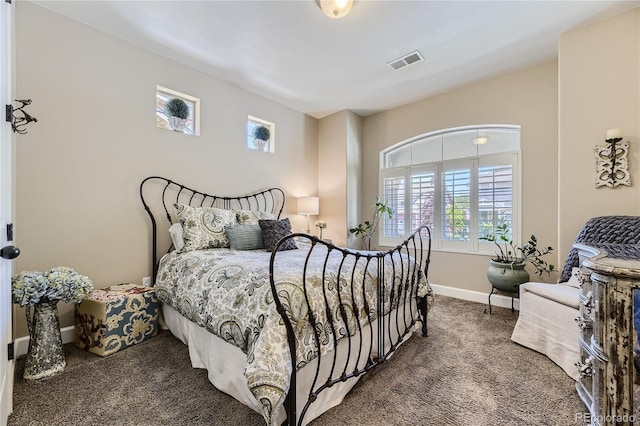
512, 294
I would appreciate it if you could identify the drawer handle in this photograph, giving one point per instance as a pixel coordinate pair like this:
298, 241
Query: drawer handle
585, 369
584, 323
588, 302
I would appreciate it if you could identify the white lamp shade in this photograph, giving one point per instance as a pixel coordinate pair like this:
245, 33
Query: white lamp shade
308, 205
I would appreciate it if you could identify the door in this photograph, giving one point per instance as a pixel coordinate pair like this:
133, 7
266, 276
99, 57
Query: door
6, 365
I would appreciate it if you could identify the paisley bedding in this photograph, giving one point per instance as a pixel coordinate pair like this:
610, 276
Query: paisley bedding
228, 292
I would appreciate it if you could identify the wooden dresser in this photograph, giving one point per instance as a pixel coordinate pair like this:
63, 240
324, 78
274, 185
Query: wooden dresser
607, 335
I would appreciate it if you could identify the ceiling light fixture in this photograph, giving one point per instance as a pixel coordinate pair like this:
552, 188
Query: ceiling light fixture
335, 8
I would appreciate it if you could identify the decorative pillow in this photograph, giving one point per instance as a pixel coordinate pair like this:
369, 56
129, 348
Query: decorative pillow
244, 237
273, 231
203, 227
251, 217
175, 231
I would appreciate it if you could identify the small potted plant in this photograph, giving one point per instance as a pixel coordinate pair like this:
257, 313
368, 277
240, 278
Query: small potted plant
261, 135
178, 112
506, 270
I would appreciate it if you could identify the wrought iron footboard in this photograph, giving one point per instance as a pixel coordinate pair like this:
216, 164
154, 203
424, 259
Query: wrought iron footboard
374, 322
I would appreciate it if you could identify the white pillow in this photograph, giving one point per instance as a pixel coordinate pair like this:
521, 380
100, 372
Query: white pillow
175, 231
573, 281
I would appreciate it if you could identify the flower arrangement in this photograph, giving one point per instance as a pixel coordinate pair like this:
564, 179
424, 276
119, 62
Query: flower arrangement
60, 283
321, 224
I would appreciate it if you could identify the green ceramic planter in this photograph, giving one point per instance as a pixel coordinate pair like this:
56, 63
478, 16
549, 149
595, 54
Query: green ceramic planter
507, 276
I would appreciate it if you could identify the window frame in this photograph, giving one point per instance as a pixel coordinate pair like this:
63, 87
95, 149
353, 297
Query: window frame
194, 110
253, 122
473, 245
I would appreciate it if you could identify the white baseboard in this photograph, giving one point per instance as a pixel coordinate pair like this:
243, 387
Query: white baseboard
21, 344
476, 296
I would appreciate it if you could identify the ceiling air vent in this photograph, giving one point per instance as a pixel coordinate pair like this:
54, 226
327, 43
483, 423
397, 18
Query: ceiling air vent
408, 59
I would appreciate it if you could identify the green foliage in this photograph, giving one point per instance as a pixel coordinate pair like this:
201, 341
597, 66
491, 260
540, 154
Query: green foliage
367, 229
455, 222
509, 252
176, 107
262, 133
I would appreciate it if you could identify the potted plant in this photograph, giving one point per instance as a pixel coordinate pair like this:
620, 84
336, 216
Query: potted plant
261, 135
507, 269
367, 229
178, 111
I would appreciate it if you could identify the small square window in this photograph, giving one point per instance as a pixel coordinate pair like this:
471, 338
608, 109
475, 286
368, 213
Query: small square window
261, 135
177, 111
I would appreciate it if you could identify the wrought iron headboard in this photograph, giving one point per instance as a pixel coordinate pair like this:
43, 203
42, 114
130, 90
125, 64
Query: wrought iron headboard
162, 194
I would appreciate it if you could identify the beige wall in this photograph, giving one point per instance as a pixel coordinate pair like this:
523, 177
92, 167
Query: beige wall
339, 174
354, 176
527, 98
599, 89
78, 168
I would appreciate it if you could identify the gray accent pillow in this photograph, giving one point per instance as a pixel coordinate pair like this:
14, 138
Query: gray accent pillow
244, 237
273, 231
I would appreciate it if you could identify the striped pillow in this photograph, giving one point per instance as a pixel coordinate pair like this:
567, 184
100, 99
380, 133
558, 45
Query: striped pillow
244, 237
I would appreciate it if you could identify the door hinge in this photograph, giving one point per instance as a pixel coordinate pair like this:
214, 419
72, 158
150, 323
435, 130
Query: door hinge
9, 231
10, 351
8, 1
8, 113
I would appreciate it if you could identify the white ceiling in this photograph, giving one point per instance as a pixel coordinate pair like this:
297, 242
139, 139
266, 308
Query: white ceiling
290, 52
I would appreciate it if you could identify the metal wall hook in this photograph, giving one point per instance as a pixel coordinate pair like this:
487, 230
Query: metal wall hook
18, 122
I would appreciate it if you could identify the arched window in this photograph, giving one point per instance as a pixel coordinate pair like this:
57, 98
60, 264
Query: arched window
462, 182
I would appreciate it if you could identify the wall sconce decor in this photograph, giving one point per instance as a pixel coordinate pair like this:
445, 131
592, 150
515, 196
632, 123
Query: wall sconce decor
611, 161
19, 121
308, 206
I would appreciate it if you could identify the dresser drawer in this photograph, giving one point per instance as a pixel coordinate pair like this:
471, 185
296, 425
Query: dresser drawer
598, 286
585, 319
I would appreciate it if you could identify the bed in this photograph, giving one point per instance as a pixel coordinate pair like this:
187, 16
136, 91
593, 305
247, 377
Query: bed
285, 323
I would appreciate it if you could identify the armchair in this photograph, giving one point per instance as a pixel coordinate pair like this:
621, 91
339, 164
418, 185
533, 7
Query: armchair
546, 322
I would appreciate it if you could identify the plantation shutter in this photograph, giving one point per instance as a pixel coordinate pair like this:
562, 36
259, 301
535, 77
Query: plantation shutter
423, 198
393, 194
456, 201
496, 197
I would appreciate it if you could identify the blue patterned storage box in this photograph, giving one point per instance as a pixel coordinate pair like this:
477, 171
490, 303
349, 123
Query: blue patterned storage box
115, 318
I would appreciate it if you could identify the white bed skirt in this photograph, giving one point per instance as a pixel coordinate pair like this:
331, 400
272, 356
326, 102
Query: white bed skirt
225, 364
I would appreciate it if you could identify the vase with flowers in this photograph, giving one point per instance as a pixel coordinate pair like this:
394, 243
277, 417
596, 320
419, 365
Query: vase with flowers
42, 291
321, 224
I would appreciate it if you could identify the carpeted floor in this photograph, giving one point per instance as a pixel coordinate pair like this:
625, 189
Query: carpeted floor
467, 372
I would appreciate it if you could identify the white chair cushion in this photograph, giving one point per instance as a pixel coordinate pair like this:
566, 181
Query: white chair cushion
561, 293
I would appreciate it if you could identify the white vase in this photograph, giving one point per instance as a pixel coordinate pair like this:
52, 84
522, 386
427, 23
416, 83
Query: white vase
177, 124
259, 144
